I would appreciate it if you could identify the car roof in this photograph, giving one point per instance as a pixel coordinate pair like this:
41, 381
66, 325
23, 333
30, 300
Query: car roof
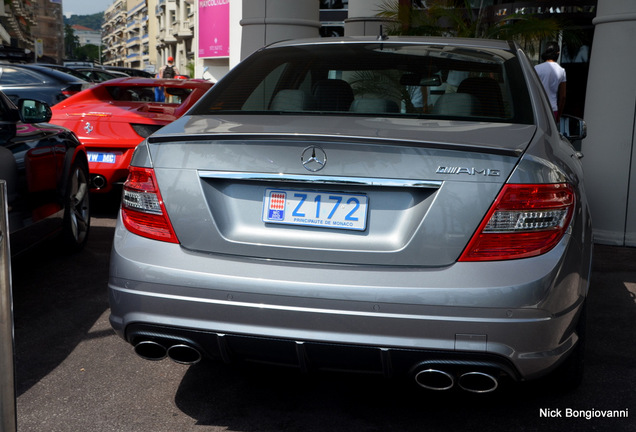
53, 73
106, 71
129, 71
60, 68
467, 42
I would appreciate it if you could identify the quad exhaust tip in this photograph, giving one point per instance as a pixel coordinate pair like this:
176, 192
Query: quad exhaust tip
478, 382
473, 382
433, 379
179, 353
430, 378
184, 354
150, 350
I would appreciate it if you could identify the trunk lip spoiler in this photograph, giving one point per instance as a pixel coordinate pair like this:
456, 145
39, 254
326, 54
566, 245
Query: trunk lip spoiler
334, 180
315, 138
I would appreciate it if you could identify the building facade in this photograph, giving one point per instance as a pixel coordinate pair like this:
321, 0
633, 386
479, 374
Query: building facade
87, 36
143, 34
176, 33
113, 34
32, 30
136, 35
183, 29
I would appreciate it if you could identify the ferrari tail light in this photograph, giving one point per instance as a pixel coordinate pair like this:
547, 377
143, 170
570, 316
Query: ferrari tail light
69, 93
71, 90
145, 130
142, 209
525, 220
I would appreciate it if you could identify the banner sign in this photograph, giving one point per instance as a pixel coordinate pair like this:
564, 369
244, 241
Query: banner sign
214, 28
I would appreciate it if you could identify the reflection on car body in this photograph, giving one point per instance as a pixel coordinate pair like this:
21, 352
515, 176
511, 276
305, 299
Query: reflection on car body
112, 117
36, 82
398, 207
46, 174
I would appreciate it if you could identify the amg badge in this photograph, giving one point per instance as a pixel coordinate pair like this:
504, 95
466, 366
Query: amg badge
469, 171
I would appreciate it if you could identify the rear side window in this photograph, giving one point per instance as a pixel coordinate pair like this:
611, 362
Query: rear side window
398, 79
13, 76
177, 95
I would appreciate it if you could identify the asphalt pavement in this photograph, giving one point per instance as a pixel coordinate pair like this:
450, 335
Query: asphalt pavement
74, 375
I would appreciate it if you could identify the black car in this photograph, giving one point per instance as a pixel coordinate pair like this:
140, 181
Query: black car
45, 169
130, 71
98, 75
64, 69
38, 82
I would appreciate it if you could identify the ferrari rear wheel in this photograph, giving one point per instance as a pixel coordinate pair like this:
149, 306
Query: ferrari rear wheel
77, 215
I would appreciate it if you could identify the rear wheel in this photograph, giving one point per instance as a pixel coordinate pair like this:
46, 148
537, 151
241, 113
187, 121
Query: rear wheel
77, 215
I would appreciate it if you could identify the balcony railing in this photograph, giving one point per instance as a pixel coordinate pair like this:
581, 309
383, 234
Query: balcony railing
182, 29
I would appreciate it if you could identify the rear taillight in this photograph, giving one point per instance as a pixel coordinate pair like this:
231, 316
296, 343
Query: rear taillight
145, 130
68, 92
526, 220
142, 209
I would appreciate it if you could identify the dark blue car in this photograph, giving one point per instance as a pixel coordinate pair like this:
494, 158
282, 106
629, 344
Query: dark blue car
45, 169
39, 83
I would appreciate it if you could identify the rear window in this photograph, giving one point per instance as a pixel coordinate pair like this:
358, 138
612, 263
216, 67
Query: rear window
171, 95
379, 79
20, 76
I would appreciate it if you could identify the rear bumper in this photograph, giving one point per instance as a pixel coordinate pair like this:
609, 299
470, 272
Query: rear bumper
383, 320
105, 175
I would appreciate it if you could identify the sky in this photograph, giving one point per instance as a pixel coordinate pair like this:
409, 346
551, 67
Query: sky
84, 7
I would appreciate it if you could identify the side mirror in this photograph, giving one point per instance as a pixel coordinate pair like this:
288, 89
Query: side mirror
573, 128
33, 111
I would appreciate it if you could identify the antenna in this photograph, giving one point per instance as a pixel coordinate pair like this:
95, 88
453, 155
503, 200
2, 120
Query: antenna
382, 36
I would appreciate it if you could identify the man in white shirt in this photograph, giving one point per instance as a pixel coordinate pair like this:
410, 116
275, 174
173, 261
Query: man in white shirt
553, 78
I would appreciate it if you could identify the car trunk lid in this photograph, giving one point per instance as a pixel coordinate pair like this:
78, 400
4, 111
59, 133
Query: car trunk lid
414, 199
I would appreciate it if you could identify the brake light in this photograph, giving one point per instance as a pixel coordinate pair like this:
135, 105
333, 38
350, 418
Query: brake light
69, 92
145, 130
142, 209
524, 221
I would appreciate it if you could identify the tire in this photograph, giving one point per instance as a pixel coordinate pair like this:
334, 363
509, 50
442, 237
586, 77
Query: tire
77, 214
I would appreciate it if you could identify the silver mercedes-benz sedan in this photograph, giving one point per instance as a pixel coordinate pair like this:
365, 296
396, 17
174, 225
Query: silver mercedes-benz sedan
397, 206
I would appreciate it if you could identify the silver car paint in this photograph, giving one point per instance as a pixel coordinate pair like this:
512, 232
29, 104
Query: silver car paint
397, 288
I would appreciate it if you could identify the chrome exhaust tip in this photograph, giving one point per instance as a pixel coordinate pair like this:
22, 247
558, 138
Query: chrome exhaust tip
433, 379
98, 182
478, 382
150, 350
184, 354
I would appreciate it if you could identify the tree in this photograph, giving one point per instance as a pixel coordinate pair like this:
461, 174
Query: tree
93, 21
88, 52
71, 42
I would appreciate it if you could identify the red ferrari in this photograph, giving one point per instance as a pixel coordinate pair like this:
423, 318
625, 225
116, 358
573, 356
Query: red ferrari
112, 117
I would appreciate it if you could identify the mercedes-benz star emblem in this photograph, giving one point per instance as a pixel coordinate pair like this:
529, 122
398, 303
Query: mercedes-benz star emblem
314, 158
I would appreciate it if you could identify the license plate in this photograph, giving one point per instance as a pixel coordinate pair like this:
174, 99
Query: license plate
102, 157
316, 209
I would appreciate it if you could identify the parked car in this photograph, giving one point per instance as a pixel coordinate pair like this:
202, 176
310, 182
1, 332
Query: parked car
130, 71
45, 168
112, 117
89, 74
98, 75
64, 69
41, 83
402, 207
